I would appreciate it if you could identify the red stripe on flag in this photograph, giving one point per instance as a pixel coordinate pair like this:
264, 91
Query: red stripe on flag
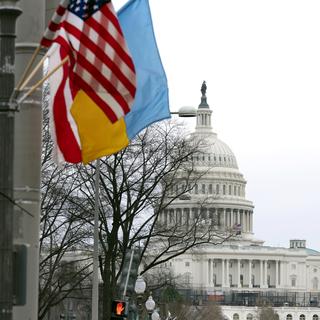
101, 55
114, 43
111, 16
54, 26
100, 103
61, 10
99, 78
64, 135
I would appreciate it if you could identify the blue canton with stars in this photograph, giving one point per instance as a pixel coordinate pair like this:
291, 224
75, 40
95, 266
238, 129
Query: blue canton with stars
84, 9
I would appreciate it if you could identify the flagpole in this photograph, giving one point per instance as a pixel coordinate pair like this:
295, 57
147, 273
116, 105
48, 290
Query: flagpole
95, 275
39, 83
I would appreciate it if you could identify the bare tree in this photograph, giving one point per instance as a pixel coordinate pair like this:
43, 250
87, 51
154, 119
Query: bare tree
136, 185
267, 313
65, 251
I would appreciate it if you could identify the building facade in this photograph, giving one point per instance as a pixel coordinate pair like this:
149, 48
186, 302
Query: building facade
241, 272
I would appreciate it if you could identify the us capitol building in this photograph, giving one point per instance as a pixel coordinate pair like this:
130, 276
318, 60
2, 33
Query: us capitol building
241, 272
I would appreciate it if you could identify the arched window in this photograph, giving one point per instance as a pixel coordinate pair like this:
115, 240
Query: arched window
210, 188
235, 316
289, 317
302, 317
315, 317
235, 190
203, 188
224, 189
217, 189
249, 316
230, 190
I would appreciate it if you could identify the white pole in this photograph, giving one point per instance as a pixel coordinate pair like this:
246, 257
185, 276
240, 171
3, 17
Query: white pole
95, 277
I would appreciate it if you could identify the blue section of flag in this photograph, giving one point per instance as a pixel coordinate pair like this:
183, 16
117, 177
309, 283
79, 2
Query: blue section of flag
151, 102
85, 8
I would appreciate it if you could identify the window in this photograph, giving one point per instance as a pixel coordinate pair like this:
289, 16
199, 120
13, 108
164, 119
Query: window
203, 188
196, 189
293, 282
241, 280
235, 316
224, 189
235, 190
293, 267
214, 279
217, 189
229, 190
315, 317
253, 280
230, 279
210, 188
315, 283
187, 264
289, 317
268, 280
249, 316
302, 317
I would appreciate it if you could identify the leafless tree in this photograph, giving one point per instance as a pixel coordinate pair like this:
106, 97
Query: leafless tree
135, 186
266, 312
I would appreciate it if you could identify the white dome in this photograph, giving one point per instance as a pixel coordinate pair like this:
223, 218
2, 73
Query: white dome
215, 153
221, 155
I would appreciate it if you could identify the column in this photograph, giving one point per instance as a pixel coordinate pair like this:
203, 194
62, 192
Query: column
261, 273
277, 273
209, 271
238, 216
266, 273
27, 164
250, 273
222, 273
244, 220
231, 218
238, 274
227, 273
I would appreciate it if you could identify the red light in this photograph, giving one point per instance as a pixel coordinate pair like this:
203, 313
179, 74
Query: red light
120, 308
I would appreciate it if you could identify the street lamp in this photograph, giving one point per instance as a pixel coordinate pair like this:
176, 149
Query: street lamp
150, 305
155, 315
186, 112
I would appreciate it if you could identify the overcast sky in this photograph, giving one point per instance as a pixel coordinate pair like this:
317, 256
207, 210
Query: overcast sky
261, 62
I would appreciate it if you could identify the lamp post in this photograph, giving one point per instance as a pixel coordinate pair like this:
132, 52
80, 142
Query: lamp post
150, 305
9, 12
140, 288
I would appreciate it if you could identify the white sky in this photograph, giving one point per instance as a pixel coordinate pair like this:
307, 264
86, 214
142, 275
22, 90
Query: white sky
261, 62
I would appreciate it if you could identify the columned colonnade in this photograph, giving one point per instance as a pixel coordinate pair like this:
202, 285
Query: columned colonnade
242, 273
224, 218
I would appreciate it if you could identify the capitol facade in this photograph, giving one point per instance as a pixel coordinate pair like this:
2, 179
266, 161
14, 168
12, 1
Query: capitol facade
239, 273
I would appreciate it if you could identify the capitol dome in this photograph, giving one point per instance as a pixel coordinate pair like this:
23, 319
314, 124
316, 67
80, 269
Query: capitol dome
219, 184
219, 154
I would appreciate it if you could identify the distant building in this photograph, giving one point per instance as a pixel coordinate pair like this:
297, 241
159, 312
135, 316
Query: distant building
240, 273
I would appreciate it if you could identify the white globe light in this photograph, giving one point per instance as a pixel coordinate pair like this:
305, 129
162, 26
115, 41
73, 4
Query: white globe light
150, 304
155, 315
140, 285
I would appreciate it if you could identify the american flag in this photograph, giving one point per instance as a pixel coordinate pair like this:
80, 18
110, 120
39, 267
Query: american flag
100, 63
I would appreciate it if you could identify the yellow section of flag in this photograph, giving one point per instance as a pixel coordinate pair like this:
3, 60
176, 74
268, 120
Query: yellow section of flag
98, 135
